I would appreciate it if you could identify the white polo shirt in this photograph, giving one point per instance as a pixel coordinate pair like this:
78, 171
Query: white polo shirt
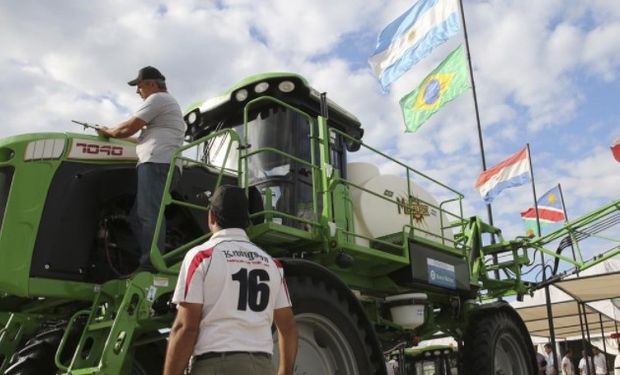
164, 130
239, 286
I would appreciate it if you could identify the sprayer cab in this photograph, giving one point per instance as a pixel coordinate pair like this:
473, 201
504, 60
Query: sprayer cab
275, 117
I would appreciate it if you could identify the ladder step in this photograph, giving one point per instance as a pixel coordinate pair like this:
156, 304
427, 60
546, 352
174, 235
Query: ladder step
100, 325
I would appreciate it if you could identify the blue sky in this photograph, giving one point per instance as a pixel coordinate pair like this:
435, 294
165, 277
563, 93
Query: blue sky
547, 73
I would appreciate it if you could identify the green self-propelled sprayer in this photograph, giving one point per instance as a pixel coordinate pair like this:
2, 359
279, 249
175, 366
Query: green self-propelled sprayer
372, 259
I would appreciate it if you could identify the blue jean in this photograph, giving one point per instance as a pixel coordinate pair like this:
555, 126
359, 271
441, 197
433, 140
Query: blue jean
149, 193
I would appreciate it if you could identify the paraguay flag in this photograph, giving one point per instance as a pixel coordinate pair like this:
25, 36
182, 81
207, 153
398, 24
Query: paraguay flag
514, 171
550, 210
412, 36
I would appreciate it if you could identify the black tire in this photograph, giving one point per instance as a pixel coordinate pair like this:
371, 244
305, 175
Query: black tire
36, 356
333, 338
497, 342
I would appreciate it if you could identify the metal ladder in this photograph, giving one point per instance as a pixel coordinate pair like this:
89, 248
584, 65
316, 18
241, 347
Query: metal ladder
121, 317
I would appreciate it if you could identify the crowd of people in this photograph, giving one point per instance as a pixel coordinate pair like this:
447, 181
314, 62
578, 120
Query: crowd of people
595, 364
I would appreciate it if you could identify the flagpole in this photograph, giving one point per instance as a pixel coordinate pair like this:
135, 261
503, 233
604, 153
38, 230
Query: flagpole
538, 228
480, 140
473, 90
544, 268
572, 247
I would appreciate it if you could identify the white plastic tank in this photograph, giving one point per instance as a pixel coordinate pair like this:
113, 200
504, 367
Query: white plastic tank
377, 217
359, 174
407, 309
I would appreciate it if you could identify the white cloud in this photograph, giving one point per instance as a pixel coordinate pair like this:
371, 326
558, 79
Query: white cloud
306, 29
600, 50
593, 179
514, 60
531, 59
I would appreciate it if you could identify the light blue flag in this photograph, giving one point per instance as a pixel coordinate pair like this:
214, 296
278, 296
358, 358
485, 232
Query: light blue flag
412, 36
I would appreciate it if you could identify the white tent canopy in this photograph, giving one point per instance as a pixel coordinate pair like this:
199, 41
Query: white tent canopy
596, 287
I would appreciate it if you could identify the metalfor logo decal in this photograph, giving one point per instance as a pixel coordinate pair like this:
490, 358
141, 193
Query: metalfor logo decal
412, 207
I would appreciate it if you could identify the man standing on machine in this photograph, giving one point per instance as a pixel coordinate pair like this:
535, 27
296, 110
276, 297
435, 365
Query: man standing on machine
163, 129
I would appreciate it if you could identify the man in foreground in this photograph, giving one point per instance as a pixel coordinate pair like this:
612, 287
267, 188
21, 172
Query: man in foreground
228, 294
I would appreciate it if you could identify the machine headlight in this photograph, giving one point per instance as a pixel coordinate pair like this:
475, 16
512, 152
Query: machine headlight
286, 86
192, 117
261, 87
241, 95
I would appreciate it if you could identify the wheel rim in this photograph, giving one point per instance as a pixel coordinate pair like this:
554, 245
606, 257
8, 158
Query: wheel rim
322, 347
510, 358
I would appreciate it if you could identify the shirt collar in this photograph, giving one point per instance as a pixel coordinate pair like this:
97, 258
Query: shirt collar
233, 233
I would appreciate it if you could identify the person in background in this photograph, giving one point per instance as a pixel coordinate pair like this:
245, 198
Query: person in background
540, 361
162, 127
600, 362
568, 368
551, 368
585, 364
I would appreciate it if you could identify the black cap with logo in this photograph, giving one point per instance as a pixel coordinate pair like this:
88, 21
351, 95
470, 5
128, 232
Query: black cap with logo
148, 72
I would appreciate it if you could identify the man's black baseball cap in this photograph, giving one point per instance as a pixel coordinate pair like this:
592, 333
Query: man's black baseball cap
230, 206
148, 72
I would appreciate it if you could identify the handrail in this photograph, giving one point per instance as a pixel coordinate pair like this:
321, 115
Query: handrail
397, 162
408, 171
158, 259
276, 151
244, 155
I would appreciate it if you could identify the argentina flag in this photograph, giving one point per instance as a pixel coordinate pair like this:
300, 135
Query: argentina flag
412, 36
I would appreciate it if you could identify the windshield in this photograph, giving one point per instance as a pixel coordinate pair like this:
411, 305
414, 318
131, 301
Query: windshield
222, 151
273, 128
283, 130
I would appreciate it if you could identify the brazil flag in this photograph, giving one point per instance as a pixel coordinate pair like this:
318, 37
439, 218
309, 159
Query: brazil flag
442, 85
